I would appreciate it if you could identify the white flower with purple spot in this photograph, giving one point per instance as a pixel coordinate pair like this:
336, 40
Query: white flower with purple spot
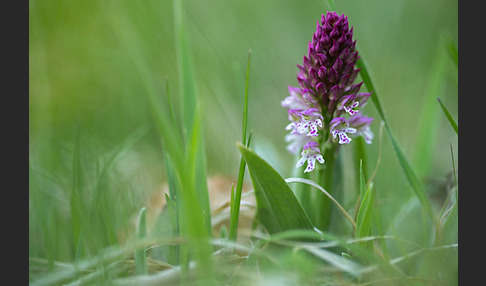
310, 153
310, 120
297, 141
362, 125
339, 127
351, 101
367, 134
347, 103
295, 100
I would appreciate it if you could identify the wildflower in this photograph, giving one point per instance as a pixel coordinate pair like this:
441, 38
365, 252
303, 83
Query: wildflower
295, 100
310, 120
328, 69
297, 141
327, 98
362, 125
339, 127
350, 101
310, 153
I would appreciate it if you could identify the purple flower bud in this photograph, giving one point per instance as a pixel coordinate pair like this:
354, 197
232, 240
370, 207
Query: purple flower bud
330, 60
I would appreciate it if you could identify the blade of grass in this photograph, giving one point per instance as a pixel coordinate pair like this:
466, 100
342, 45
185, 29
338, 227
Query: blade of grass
360, 161
197, 162
101, 197
173, 252
345, 265
141, 232
362, 181
449, 116
365, 215
77, 206
453, 168
195, 216
429, 119
452, 49
195, 206
331, 5
245, 110
235, 206
187, 84
404, 164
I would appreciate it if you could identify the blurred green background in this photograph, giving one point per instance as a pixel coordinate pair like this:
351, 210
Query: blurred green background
82, 58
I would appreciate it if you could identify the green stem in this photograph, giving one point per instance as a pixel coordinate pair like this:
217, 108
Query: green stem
326, 177
303, 192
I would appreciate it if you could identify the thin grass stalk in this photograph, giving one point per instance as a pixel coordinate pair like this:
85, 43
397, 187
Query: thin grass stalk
141, 232
452, 122
235, 207
405, 165
429, 119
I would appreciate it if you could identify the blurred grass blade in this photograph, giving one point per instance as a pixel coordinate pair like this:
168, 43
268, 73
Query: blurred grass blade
453, 167
223, 232
245, 110
429, 120
77, 206
101, 197
362, 181
235, 206
141, 232
365, 215
173, 252
449, 116
187, 84
452, 49
331, 5
405, 165
197, 163
360, 162
338, 261
277, 207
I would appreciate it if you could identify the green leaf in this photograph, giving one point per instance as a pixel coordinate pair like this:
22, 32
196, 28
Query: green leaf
141, 232
449, 116
277, 207
365, 215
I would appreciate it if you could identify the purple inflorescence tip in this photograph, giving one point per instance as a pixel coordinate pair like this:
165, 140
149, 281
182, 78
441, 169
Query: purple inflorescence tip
327, 97
329, 64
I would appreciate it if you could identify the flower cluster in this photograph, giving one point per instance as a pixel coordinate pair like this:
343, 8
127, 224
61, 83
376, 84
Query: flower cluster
327, 100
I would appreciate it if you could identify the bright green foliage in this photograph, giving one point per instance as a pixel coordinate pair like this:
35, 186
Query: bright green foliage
449, 116
365, 214
278, 208
128, 99
141, 232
